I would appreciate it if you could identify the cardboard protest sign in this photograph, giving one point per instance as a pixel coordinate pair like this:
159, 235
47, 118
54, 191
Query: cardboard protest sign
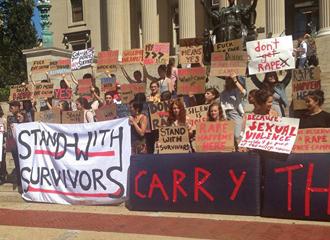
48, 116
226, 183
196, 115
230, 46
72, 117
158, 114
108, 84
225, 64
304, 81
21, 92
43, 90
191, 50
59, 67
40, 66
191, 80
122, 110
107, 61
106, 112
215, 136
297, 188
129, 90
132, 56
156, 53
312, 140
273, 134
272, 54
173, 140
63, 93
84, 86
82, 58
86, 164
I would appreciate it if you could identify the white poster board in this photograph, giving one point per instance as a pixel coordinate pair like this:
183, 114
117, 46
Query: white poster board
82, 58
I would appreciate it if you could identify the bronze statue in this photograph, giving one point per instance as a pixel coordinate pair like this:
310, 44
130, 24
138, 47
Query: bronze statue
233, 22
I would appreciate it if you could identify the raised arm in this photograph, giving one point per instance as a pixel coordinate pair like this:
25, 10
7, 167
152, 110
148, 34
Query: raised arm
73, 78
66, 81
256, 81
287, 78
238, 84
128, 78
31, 80
146, 74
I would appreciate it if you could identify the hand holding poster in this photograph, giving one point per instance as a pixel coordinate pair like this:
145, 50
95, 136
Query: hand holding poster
84, 86
273, 134
84, 165
73, 117
158, 114
230, 46
59, 67
312, 140
82, 58
21, 92
191, 50
107, 61
132, 56
268, 55
225, 64
49, 116
129, 90
156, 53
43, 90
215, 136
173, 140
108, 84
106, 112
196, 115
40, 66
63, 93
191, 80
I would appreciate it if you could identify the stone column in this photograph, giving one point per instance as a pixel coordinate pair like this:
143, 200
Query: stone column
115, 24
150, 21
187, 22
127, 25
223, 3
275, 17
324, 6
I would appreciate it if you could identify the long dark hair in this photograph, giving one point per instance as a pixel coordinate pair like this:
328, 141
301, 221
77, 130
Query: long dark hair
317, 96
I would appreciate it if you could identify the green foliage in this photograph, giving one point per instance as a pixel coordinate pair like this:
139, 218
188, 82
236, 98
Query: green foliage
17, 32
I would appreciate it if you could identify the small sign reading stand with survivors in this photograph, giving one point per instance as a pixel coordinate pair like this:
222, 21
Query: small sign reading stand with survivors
273, 134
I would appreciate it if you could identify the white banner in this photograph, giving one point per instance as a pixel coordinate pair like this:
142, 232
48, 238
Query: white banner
273, 134
268, 55
82, 58
74, 164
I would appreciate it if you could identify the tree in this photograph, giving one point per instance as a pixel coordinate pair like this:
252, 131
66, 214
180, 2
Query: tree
17, 32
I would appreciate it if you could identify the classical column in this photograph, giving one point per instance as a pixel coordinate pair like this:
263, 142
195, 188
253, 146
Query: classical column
324, 6
275, 17
223, 3
150, 21
187, 20
127, 25
115, 24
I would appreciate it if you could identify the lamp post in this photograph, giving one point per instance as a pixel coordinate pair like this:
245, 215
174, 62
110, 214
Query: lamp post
47, 36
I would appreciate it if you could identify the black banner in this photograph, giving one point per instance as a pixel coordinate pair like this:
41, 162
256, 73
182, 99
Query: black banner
226, 183
297, 188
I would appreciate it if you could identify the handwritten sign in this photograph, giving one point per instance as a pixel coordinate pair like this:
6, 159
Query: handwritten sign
156, 53
191, 50
48, 116
230, 46
268, 55
82, 58
215, 136
123, 110
59, 67
107, 61
84, 86
132, 56
273, 134
129, 90
158, 114
63, 93
312, 140
224, 64
40, 66
196, 115
191, 80
106, 112
43, 90
20, 92
173, 140
108, 84
72, 117
304, 81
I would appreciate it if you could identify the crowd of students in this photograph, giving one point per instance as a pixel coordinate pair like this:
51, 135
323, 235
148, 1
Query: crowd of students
269, 98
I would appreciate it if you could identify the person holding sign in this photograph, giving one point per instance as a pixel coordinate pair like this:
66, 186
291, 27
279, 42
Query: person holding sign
138, 122
231, 99
137, 76
165, 83
263, 102
273, 85
154, 92
177, 116
214, 113
315, 117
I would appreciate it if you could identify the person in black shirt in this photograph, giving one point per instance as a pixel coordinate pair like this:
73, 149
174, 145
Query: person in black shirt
315, 117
